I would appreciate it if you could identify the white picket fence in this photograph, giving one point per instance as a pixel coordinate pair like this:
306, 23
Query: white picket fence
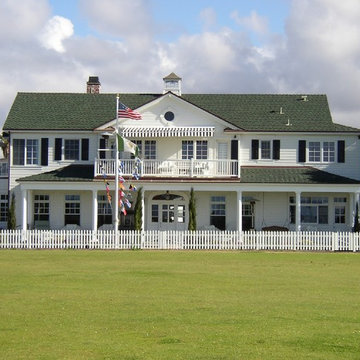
180, 240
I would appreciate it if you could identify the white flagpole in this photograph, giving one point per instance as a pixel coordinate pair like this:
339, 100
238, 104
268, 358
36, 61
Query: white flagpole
117, 175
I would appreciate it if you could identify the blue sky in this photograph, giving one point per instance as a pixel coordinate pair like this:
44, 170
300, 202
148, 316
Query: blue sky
228, 46
176, 17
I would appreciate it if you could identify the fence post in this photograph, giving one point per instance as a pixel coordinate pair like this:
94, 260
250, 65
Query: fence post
335, 242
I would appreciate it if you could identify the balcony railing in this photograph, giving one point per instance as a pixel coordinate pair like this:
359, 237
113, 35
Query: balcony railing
171, 168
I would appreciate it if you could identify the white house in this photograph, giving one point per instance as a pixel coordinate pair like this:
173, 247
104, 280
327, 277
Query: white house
254, 161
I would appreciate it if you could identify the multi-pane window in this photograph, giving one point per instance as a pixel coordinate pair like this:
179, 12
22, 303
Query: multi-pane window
328, 151
150, 149
187, 150
314, 210
139, 145
201, 149
3, 207
71, 149
340, 210
265, 149
4, 169
314, 151
155, 213
41, 208
104, 211
168, 213
72, 209
218, 212
32, 151
25, 152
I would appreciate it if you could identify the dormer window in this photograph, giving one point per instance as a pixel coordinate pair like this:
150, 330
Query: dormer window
172, 83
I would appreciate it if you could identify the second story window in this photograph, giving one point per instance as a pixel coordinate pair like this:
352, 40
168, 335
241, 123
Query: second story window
201, 149
150, 150
71, 149
314, 151
265, 149
187, 150
329, 151
25, 151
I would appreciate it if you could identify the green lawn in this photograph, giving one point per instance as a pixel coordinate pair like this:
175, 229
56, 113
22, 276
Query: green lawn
179, 305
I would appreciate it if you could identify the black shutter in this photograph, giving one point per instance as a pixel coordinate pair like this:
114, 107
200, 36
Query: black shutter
276, 149
102, 145
302, 151
84, 149
58, 146
234, 150
254, 149
44, 151
341, 151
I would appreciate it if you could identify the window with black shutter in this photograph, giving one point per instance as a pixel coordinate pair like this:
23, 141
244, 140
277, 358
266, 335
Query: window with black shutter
254, 149
44, 151
84, 149
341, 151
302, 151
102, 145
276, 149
58, 146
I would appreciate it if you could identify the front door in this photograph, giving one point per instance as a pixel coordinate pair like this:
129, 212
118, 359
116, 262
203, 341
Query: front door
168, 212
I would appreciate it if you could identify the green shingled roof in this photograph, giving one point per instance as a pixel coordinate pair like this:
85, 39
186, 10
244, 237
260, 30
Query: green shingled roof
249, 174
291, 175
77, 111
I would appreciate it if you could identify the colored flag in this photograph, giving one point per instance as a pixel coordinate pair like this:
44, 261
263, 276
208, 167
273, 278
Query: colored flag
127, 113
127, 145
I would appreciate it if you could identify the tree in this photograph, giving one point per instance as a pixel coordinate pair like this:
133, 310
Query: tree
192, 211
11, 214
138, 210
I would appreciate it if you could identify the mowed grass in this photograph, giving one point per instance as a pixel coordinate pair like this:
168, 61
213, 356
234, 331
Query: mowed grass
179, 305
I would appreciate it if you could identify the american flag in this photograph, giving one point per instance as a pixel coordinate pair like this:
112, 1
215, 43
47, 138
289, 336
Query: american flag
126, 112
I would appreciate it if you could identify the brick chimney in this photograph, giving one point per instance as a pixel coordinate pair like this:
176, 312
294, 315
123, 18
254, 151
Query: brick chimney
93, 85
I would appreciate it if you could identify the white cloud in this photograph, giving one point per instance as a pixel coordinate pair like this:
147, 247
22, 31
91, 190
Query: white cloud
208, 17
55, 32
254, 22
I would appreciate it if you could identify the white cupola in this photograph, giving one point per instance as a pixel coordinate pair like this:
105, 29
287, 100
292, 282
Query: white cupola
172, 83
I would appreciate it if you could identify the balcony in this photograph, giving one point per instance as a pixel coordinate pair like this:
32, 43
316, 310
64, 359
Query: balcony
171, 168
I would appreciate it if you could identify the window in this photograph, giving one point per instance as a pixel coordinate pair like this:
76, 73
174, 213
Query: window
71, 149
19, 151
155, 213
139, 145
314, 151
25, 152
187, 150
3, 169
104, 211
218, 212
3, 207
201, 149
314, 210
32, 153
150, 149
41, 208
328, 151
72, 209
168, 215
265, 149
340, 210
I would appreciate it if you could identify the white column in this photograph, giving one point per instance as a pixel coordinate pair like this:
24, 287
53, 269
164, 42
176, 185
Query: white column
239, 211
94, 210
143, 210
298, 211
24, 209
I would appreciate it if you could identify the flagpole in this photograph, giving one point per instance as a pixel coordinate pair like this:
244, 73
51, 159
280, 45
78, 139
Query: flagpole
117, 175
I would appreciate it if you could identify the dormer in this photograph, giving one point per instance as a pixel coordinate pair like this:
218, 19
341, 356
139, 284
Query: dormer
172, 83
93, 85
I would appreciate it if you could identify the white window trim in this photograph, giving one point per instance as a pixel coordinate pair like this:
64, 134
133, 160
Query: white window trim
321, 161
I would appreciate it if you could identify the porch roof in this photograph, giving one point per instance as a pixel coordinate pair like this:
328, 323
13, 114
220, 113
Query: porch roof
249, 174
291, 175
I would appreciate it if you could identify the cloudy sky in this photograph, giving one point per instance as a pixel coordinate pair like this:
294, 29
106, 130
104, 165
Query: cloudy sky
227, 46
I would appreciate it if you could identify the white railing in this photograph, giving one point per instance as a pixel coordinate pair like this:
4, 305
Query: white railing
171, 168
180, 240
